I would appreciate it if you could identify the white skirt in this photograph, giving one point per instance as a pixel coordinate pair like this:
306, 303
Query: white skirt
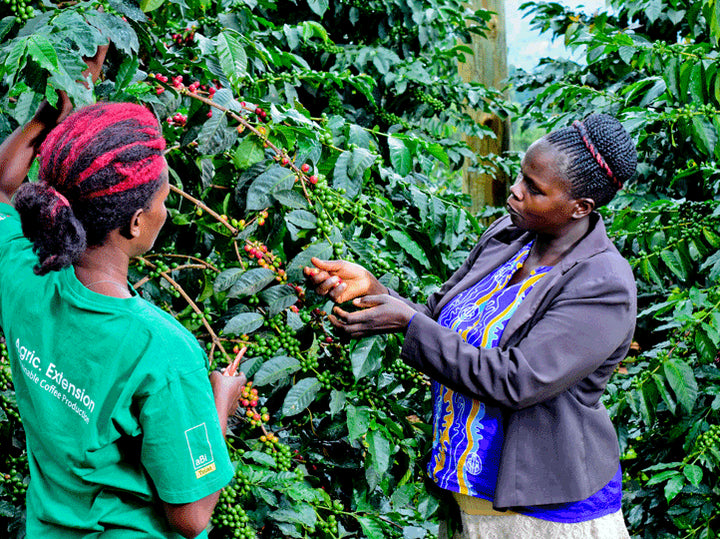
517, 526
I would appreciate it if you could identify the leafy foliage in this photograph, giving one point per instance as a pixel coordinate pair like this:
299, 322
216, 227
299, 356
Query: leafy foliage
296, 129
654, 65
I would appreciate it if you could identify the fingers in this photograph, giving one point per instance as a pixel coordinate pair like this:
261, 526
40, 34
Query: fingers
327, 265
326, 283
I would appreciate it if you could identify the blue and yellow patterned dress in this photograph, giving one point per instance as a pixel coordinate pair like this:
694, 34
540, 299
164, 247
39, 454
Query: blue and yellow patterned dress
468, 434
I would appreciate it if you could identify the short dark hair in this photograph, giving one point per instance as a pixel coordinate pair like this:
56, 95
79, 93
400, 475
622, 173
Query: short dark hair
97, 168
601, 156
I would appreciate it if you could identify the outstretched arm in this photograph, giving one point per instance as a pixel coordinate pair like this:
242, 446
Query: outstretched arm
20, 148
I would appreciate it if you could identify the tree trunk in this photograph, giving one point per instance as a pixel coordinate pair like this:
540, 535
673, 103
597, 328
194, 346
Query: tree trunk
488, 65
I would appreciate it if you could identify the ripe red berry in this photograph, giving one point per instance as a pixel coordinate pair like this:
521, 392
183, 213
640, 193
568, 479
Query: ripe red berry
285, 160
305, 168
313, 179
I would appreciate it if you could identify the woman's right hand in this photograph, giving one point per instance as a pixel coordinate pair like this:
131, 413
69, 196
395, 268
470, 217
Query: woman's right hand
227, 391
342, 281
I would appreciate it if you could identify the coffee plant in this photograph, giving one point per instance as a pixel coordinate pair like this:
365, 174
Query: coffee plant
654, 65
295, 129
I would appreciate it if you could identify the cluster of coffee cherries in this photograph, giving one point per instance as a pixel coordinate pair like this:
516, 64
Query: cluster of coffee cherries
265, 258
187, 37
249, 401
281, 453
709, 442
177, 120
15, 479
19, 9
5, 374
405, 373
229, 517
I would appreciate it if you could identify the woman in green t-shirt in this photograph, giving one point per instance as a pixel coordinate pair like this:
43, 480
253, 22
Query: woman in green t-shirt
135, 445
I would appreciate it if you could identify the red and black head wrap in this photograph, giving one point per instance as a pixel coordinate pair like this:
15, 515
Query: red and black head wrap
97, 168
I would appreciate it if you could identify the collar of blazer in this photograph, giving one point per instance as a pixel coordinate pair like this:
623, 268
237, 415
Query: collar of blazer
501, 241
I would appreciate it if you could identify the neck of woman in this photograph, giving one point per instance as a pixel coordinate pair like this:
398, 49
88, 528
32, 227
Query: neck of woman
548, 250
104, 270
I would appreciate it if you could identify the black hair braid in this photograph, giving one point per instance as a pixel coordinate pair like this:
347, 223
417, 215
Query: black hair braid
50, 224
607, 137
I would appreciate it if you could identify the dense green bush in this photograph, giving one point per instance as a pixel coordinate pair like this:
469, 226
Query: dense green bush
297, 129
654, 65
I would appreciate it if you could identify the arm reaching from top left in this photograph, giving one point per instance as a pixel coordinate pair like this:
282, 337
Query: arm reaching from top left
19, 149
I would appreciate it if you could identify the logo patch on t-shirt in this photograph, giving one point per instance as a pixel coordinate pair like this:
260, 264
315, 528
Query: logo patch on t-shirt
200, 450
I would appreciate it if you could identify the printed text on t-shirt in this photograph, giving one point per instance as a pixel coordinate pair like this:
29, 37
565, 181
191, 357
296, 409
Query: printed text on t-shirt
53, 381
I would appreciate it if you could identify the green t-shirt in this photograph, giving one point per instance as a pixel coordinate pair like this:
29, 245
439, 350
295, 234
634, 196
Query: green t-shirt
115, 400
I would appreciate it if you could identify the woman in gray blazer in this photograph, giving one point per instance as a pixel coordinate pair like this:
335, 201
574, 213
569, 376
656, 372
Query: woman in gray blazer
520, 344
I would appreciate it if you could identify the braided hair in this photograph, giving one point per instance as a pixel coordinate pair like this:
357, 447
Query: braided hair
97, 168
601, 157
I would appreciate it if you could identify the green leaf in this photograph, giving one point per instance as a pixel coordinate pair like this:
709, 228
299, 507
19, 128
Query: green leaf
129, 9
662, 477
337, 402
674, 263
400, 156
250, 282
358, 421
711, 236
681, 378
704, 344
243, 324
126, 73
693, 473
226, 279
704, 135
366, 357
150, 5
260, 458
276, 369
42, 51
372, 528
648, 398
319, 7
248, 152
673, 487
664, 393
278, 298
302, 514
276, 178
321, 250
114, 28
216, 136
349, 170
232, 57
302, 219
300, 396
410, 246
379, 448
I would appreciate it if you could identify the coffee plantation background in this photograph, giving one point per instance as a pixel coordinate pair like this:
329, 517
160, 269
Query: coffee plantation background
333, 129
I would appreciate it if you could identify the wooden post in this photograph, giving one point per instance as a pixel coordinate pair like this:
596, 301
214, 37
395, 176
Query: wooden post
488, 65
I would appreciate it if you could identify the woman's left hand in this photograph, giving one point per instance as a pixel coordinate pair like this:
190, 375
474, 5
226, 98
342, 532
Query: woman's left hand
378, 314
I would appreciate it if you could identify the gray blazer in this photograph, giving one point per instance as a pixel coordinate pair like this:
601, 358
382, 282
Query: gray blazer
550, 368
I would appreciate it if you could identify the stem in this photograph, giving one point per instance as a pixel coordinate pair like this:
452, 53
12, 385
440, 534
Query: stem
215, 340
204, 207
